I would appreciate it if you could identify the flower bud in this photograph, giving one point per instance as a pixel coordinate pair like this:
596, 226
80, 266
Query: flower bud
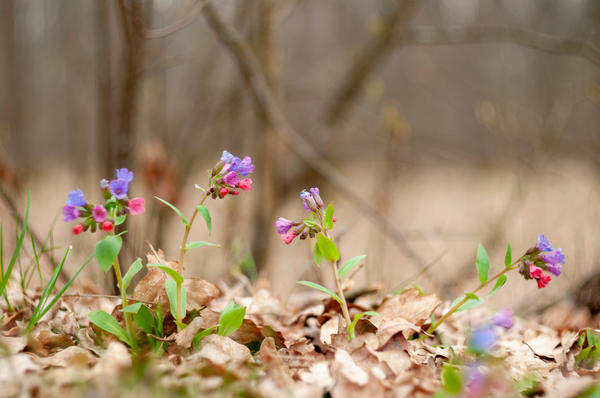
77, 229
107, 226
223, 192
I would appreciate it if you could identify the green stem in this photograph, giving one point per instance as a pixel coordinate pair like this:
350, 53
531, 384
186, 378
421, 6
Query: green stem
338, 283
124, 303
186, 235
456, 306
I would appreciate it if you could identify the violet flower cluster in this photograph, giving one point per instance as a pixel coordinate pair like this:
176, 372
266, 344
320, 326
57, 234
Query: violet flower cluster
541, 258
288, 230
229, 176
117, 205
484, 338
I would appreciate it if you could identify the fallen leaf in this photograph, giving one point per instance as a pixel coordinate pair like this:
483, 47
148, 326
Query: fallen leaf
222, 351
408, 305
73, 356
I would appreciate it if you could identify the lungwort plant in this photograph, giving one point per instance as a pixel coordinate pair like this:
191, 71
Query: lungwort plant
318, 225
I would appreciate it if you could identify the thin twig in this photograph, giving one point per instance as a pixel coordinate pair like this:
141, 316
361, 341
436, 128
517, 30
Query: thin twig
266, 104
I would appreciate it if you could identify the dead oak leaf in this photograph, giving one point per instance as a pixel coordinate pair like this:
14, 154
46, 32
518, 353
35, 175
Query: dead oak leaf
408, 305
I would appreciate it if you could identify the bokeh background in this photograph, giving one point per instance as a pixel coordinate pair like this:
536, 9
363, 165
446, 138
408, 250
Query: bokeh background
432, 125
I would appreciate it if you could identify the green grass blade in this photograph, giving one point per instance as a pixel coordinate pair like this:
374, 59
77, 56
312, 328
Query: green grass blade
13, 260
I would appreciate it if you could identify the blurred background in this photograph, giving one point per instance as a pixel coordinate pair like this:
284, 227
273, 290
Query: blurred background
433, 125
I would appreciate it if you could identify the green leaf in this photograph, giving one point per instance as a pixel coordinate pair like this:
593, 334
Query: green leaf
451, 379
231, 319
169, 271
483, 264
171, 288
329, 217
198, 187
6, 276
132, 308
107, 251
203, 210
499, 283
309, 222
323, 289
198, 337
508, 256
327, 248
200, 243
109, 324
176, 210
348, 265
144, 319
317, 256
471, 296
134, 268
355, 321
472, 302
120, 219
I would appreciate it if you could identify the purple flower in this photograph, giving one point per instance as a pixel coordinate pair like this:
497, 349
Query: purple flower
304, 195
104, 183
283, 225
99, 213
482, 339
314, 192
242, 166
543, 244
125, 175
503, 318
231, 178
475, 382
227, 157
119, 188
554, 269
76, 198
554, 257
70, 213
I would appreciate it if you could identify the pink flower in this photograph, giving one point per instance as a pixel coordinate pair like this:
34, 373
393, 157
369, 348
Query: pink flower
535, 272
107, 226
99, 213
245, 184
543, 281
288, 238
136, 206
231, 178
77, 229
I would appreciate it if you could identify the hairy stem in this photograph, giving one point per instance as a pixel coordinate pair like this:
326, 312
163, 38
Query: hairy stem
338, 283
128, 320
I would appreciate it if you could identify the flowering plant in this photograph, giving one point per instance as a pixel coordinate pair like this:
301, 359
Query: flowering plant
318, 225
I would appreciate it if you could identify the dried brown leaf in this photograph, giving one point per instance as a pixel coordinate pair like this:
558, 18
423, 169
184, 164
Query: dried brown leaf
222, 351
408, 305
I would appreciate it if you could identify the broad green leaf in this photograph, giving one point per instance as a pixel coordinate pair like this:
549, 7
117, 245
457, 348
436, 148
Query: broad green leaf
200, 243
171, 288
198, 337
451, 379
508, 256
134, 268
323, 289
120, 219
158, 320
107, 251
499, 283
176, 210
231, 319
317, 256
348, 265
310, 222
329, 217
483, 264
144, 319
327, 248
357, 317
169, 271
109, 324
203, 210
132, 308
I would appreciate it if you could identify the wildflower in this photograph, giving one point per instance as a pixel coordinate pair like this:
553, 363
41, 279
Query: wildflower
543, 244
136, 205
77, 229
334, 219
119, 188
283, 225
243, 167
232, 192
104, 183
503, 318
482, 339
475, 382
535, 272
554, 257
107, 226
554, 269
288, 238
227, 157
308, 202
543, 281
231, 178
125, 175
314, 192
99, 213
70, 213
223, 191
76, 198
245, 184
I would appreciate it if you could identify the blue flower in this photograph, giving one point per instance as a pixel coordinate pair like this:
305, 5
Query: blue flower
543, 244
119, 188
70, 213
482, 339
554, 257
125, 175
242, 166
227, 157
76, 198
304, 195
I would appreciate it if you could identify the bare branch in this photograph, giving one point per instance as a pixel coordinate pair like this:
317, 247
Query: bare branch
266, 104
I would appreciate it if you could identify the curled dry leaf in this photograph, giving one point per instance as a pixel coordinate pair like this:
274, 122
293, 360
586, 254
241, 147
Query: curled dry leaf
186, 336
199, 293
274, 367
222, 351
73, 356
13, 345
329, 328
114, 361
14, 368
408, 305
